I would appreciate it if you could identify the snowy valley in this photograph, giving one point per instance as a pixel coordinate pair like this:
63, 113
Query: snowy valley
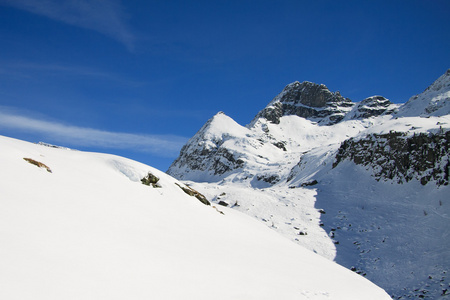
364, 184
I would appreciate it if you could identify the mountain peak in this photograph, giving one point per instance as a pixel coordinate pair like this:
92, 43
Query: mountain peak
219, 124
198, 154
371, 107
360, 170
308, 100
433, 101
309, 94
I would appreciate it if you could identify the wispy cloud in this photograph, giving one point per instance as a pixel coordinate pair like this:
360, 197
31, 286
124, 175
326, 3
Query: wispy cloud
28, 70
160, 145
104, 16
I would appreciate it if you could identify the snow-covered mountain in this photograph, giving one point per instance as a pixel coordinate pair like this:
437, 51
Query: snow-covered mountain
364, 184
78, 225
434, 101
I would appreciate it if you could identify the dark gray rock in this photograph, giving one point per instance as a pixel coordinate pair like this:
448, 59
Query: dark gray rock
372, 107
307, 100
206, 154
398, 157
269, 178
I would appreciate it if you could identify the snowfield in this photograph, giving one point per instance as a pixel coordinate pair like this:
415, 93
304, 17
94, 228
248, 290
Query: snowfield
365, 185
82, 226
394, 234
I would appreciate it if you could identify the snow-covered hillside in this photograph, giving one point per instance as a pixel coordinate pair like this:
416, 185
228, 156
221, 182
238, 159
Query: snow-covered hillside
364, 184
77, 225
434, 101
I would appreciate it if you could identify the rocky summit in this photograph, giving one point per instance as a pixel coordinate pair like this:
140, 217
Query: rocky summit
362, 183
372, 107
307, 100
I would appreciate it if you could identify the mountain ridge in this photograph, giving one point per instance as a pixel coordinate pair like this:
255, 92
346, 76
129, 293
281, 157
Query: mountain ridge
290, 153
91, 229
433, 101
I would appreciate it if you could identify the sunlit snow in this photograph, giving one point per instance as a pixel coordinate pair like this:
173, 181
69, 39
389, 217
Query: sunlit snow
90, 230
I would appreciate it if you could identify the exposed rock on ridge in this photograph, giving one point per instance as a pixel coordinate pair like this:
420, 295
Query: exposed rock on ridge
396, 156
307, 100
206, 151
317, 103
372, 107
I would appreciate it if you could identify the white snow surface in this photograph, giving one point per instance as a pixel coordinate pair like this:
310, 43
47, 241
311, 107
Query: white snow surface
90, 230
394, 234
434, 101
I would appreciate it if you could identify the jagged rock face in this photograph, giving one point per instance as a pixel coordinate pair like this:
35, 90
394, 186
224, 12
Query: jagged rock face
396, 156
372, 107
222, 147
217, 160
307, 100
207, 153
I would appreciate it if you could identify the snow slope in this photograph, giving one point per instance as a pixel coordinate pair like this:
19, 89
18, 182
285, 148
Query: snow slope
434, 101
282, 169
395, 234
376, 228
77, 225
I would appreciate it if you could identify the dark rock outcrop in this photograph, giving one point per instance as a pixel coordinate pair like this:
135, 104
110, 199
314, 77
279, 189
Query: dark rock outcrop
206, 152
307, 100
191, 192
151, 179
396, 156
372, 107
269, 178
38, 164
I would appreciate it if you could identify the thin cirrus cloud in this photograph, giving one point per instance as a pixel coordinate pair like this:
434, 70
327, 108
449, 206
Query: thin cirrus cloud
104, 16
159, 145
28, 70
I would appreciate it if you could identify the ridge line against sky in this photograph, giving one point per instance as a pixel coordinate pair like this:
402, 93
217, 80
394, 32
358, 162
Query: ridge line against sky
105, 17
163, 68
160, 145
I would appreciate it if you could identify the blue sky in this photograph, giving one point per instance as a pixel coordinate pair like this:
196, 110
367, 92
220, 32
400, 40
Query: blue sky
139, 78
